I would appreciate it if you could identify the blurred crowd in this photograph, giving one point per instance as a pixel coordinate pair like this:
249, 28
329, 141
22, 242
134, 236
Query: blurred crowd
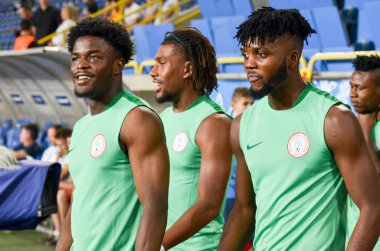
37, 23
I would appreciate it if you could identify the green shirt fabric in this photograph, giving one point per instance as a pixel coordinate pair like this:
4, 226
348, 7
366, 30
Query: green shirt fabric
185, 162
300, 193
352, 210
106, 209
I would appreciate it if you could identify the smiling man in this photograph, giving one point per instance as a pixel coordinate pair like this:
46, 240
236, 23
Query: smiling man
197, 136
117, 158
297, 150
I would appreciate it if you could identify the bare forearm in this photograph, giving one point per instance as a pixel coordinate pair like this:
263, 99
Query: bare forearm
151, 229
240, 221
366, 232
65, 238
193, 220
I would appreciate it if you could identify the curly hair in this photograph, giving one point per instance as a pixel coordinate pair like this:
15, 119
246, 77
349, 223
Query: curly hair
197, 49
267, 24
367, 63
113, 33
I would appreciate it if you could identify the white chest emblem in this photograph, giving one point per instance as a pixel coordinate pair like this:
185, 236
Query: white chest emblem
298, 145
98, 146
180, 142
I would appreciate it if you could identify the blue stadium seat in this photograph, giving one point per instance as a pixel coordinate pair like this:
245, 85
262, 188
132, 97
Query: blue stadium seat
330, 27
280, 4
363, 26
224, 30
203, 25
216, 8
320, 3
373, 9
352, 3
148, 39
242, 7
5, 127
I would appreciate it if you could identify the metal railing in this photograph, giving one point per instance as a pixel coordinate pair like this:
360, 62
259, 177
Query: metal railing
334, 56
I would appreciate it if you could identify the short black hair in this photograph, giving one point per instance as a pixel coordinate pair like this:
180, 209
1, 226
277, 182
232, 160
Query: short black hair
197, 49
32, 129
267, 24
367, 63
25, 25
113, 33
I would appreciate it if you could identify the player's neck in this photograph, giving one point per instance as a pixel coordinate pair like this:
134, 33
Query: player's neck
185, 99
99, 104
284, 97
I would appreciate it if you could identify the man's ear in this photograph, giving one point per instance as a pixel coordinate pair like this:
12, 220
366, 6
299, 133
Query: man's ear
118, 66
294, 58
188, 70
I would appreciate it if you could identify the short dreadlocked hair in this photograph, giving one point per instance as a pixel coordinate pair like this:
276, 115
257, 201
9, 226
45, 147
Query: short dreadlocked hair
197, 49
267, 24
113, 33
367, 63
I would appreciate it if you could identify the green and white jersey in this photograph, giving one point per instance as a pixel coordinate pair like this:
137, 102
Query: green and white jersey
185, 163
300, 193
105, 209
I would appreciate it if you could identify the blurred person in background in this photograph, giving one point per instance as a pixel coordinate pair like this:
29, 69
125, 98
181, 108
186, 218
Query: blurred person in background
26, 39
28, 146
69, 17
50, 152
46, 19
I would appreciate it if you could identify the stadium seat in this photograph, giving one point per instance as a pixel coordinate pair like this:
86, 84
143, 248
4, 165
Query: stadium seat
373, 9
148, 39
216, 8
330, 28
203, 25
350, 19
280, 4
224, 30
242, 7
364, 32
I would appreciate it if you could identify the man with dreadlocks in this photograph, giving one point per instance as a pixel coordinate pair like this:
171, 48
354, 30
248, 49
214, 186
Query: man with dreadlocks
297, 150
365, 98
197, 137
117, 158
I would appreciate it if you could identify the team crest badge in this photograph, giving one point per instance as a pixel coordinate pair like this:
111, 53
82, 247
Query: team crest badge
298, 145
180, 142
98, 146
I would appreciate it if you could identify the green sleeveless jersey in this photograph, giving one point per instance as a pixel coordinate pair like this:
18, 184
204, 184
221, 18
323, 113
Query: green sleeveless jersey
105, 210
300, 193
352, 210
185, 162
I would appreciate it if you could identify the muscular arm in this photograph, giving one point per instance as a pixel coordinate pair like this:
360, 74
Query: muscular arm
212, 138
242, 217
345, 139
143, 134
65, 237
367, 121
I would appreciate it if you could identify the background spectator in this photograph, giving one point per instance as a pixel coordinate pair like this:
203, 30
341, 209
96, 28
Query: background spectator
28, 146
46, 19
26, 39
50, 152
133, 19
69, 17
